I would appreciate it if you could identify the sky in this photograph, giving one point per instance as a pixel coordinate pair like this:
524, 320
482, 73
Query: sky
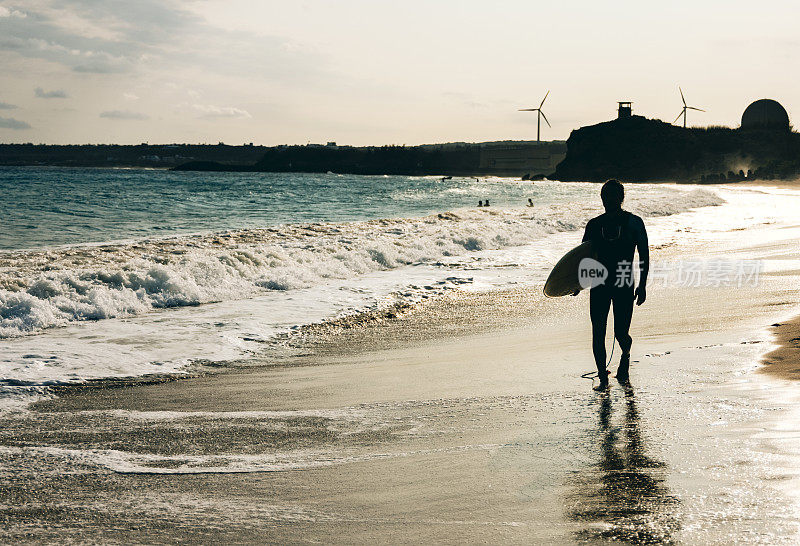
380, 71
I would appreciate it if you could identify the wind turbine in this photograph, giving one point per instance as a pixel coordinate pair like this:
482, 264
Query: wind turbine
539, 116
683, 112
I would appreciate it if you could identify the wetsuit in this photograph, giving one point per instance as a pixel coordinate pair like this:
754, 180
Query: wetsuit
615, 236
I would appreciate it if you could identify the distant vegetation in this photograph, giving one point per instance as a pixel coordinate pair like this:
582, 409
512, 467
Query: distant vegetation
117, 155
506, 158
408, 160
462, 159
503, 158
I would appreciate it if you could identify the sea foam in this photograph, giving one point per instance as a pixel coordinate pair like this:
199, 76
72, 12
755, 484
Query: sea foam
54, 287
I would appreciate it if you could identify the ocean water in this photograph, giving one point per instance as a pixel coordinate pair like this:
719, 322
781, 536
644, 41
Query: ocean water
57, 206
123, 273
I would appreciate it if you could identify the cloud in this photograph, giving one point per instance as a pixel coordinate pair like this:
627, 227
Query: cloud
124, 115
109, 37
57, 94
8, 12
101, 67
130, 96
96, 36
7, 106
11, 123
209, 111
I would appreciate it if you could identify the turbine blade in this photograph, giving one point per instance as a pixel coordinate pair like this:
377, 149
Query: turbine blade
544, 99
682, 97
528, 110
693, 108
679, 116
545, 118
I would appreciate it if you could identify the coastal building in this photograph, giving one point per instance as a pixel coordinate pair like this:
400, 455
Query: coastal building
520, 158
624, 110
766, 114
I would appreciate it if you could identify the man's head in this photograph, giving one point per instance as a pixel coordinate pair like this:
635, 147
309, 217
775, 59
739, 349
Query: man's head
612, 195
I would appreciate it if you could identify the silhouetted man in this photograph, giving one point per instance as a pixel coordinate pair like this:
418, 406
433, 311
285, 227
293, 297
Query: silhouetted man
615, 235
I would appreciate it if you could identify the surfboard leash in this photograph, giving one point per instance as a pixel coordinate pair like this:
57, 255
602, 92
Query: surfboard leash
594, 375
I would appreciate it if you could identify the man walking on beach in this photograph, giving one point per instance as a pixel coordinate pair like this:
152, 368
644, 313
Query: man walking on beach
615, 235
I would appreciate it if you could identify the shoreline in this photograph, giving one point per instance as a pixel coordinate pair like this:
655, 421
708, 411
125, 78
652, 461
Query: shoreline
447, 319
398, 328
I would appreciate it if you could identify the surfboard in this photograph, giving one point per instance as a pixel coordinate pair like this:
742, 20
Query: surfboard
563, 279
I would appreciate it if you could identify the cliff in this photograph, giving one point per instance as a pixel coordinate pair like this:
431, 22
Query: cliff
640, 149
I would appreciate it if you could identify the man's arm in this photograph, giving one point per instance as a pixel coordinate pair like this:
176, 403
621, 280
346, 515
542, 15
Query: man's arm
643, 248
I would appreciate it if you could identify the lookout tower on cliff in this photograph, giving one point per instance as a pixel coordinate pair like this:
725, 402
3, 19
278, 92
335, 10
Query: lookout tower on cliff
625, 110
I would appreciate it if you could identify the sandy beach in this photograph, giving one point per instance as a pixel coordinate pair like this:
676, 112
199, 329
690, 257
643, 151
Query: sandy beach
463, 419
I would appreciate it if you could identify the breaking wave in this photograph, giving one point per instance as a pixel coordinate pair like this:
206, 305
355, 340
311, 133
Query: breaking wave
42, 289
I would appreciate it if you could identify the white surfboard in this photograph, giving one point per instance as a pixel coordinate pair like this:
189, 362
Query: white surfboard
563, 279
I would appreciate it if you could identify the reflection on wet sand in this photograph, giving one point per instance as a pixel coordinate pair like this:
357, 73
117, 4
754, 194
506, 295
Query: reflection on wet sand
623, 497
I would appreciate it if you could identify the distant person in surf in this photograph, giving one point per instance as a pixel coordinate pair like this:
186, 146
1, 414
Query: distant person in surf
615, 236
480, 203
530, 202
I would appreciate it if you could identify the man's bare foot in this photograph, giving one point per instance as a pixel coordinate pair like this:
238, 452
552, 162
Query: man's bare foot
623, 375
603, 381
602, 386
